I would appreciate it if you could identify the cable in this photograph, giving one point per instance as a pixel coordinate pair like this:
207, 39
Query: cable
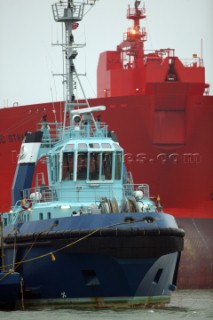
51, 253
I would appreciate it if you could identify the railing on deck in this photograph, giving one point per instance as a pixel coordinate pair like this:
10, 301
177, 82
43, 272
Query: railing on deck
195, 61
192, 62
130, 189
136, 13
79, 193
62, 13
82, 193
54, 132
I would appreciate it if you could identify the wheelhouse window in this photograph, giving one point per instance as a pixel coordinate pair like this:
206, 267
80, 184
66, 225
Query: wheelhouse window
94, 145
82, 166
106, 145
107, 165
118, 165
94, 166
67, 169
69, 147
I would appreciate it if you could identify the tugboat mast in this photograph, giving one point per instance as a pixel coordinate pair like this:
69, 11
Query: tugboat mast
70, 13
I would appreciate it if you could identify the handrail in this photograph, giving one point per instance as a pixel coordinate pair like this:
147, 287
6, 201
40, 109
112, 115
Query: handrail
82, 192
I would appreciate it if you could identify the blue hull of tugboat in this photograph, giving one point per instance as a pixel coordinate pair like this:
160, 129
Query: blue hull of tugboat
10, 285
122, 263
97, 280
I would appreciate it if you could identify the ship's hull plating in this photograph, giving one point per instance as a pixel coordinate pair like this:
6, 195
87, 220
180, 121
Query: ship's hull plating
117, 262
98, 281
196, 265
10, 285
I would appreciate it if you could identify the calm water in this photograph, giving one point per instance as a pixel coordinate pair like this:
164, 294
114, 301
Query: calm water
185, 304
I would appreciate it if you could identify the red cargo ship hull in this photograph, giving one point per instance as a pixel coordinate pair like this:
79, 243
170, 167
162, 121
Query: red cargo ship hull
162, 114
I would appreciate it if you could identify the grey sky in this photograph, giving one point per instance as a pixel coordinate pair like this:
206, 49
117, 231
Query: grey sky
27, 28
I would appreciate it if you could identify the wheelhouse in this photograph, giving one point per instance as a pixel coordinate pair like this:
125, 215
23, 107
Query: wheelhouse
75, 161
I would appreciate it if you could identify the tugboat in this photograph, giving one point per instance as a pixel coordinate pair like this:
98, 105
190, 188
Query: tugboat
82, 233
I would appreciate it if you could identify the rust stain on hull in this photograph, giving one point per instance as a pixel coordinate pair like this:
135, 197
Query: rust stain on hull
196, 264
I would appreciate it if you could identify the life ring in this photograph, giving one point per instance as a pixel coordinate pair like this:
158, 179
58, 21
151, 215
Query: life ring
26, 204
